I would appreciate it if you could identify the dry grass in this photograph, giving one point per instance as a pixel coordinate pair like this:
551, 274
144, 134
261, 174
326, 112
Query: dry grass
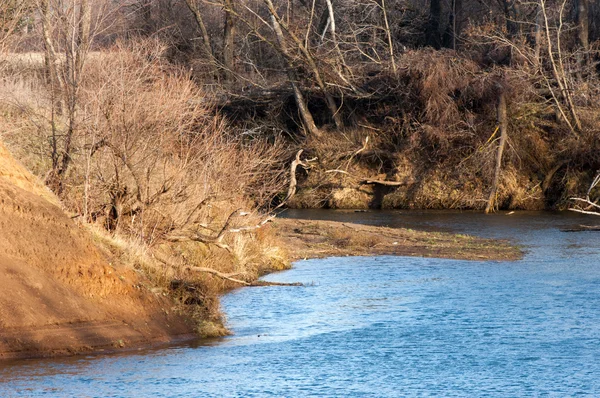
195, 294
349, 239
152, 160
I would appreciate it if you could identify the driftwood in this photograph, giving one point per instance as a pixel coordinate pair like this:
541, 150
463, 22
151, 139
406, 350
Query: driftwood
386, 183
217, 238
368, 181
228, 277
221, 275
587, 205
364, 181
293, 181
259, 283
252, 227
362, 149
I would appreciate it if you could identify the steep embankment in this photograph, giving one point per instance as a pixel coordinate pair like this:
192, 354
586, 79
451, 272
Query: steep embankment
59, 294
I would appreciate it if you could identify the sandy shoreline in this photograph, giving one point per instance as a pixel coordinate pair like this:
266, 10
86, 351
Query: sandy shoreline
318, 239
302, 238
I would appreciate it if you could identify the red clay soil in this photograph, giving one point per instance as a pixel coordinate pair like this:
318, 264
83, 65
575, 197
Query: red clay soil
58, 294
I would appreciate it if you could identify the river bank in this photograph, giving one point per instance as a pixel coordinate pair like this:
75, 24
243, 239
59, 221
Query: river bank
71, 290
429, 326
49, 335
319, 238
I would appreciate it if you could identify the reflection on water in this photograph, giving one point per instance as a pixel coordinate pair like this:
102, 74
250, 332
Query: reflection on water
382, 326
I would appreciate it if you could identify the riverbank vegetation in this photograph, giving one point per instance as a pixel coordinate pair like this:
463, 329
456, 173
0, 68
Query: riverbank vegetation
169, 127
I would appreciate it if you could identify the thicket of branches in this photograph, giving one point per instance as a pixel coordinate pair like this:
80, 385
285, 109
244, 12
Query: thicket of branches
424, 80
132, 145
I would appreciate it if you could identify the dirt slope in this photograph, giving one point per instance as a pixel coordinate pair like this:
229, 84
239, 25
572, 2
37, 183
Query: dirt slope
59, 294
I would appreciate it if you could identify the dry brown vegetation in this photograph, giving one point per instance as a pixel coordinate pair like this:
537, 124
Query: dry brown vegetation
438, 140
152, 170
169, 126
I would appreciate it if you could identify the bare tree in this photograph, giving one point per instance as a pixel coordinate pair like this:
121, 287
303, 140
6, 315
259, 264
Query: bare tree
279, 24
206, 42
229, 30
583, 32
433, 24
583, 23
66, 28
12, 14
557, 66
307, 118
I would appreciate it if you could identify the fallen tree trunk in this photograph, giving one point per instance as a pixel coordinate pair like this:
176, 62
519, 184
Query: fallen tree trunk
217, 273
227, 277
368, 181
255, 283
293, 181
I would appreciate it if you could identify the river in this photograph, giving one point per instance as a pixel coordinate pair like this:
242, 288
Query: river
381, 326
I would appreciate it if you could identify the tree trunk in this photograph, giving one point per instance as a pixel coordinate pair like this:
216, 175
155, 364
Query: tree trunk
83, 34
307, 119
228, 40
193, 7
503, 123
52, 61
538, 39
433, 25
559, 73
389, 35
343, 65
76, 50
457, 10
331, 105
583, 24
511, 15
583, 34
75, 57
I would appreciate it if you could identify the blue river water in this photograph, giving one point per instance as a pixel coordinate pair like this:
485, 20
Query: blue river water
381, 326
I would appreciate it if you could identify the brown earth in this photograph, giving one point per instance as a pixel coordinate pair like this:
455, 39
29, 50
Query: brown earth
62, 296
59, 294
316, 239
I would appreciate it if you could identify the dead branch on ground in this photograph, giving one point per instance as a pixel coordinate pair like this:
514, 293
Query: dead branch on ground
293, 181
587, 205
366, 181
227, 277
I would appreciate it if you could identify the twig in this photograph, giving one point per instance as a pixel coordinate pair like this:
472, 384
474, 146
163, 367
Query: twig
386, 183
585, 212
218, 274
587, 201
